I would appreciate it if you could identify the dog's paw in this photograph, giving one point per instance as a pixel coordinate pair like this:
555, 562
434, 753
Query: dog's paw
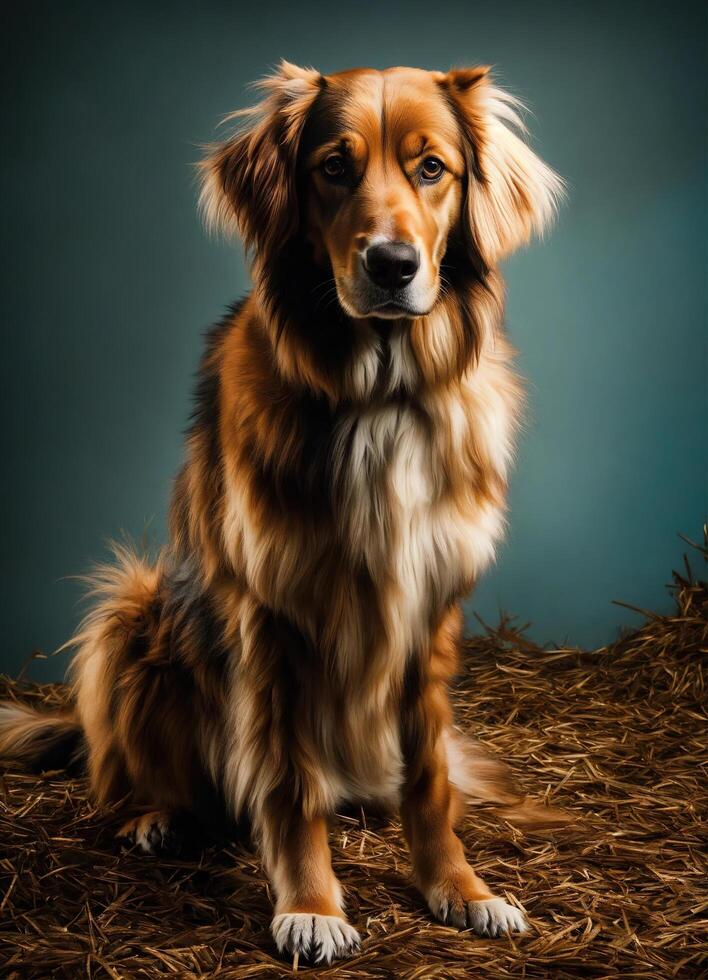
151, 833
488, 917
494, 917
319, 938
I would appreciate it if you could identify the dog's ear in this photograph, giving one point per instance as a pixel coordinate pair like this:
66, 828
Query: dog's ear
510, 192
248, 182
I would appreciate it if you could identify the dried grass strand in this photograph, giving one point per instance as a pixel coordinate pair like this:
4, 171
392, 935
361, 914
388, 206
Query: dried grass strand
615, 737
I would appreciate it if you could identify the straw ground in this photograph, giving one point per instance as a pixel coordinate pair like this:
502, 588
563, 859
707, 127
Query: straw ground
615, 736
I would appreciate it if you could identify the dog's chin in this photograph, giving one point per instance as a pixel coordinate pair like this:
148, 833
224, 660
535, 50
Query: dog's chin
394, 306
395, 311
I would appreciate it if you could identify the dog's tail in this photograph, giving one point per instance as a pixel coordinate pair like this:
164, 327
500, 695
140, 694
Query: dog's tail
478, 775
126, 602
40, 740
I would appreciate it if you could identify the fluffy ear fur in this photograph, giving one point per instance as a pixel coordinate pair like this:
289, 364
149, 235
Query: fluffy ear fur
511, 193
249, 181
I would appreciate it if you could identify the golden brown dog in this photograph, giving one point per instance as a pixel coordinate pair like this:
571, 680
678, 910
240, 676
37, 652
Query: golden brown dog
344, 487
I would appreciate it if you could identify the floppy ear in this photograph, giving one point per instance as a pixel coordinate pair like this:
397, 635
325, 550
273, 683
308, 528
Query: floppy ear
249, 181
511, 193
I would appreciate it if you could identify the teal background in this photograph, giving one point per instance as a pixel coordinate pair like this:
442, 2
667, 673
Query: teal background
108, 281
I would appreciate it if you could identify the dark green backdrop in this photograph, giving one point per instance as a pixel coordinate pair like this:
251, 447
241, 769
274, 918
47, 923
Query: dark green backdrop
108, 280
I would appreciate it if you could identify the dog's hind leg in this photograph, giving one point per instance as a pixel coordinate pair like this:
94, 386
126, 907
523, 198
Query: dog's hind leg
166, 832
121, 623
148, 688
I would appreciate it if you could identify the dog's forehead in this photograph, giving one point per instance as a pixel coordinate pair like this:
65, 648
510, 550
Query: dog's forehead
389, 104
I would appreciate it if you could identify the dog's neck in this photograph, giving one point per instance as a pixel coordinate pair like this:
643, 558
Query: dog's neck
318, 346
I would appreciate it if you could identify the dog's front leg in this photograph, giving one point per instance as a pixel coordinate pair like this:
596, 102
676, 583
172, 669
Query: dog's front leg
455, 894
308, 914
275, 772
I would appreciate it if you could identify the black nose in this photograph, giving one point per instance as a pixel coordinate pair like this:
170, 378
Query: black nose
391, 264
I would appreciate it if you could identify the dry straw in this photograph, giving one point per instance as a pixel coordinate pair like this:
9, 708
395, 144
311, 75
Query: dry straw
616, 736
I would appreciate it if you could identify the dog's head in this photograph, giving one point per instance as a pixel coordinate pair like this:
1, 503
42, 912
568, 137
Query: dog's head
379, 175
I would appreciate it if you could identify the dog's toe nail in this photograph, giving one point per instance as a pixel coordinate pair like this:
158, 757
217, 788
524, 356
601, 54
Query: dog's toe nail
458, 917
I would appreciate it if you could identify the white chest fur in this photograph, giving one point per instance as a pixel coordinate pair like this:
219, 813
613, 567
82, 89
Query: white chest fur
411, 485
420, 537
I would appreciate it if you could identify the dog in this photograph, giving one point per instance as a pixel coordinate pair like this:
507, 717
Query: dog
344, 486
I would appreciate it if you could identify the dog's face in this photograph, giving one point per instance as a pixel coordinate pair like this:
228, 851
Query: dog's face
383, 173
376, 172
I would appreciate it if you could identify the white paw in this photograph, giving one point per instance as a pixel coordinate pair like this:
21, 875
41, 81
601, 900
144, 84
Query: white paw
320, 938
494, 917
489, 917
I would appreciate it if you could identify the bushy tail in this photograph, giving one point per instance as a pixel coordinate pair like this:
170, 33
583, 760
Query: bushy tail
40, 740
480, 776
477, 774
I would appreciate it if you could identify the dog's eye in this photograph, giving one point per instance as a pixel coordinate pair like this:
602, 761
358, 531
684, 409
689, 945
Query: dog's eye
432, 168
333, 166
